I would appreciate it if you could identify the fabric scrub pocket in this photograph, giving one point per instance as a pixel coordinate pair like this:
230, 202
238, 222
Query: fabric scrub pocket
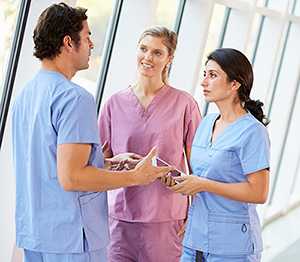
94, 213
199, 159
229, 234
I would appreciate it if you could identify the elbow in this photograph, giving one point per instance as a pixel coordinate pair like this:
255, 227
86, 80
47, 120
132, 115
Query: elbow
67, 186
262, 199
67, 182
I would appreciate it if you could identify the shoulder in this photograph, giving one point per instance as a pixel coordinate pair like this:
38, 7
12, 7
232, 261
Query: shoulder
69, 90
251, 127
182, 94
119, 97
69, 96
206, 123
80, 91
209, 118
183, 97
252, 123
122, 94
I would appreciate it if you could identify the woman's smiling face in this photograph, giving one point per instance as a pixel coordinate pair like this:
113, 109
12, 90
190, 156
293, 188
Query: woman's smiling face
152, 56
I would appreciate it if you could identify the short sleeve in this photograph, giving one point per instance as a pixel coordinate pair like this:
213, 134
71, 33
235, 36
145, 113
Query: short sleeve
104, 124
74, 118
254, 152
191, 123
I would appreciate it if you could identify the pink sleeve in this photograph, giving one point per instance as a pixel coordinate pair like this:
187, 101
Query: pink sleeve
104, 123
191, 123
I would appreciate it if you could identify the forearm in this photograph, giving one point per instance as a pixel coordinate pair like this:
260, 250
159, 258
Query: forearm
243, 191
93, 179
74, 173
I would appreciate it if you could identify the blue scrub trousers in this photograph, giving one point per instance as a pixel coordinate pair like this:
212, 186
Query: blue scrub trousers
190, 255
95, 256
92, 256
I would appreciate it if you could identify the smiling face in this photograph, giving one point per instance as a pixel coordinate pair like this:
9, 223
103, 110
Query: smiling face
216, 85
152, 57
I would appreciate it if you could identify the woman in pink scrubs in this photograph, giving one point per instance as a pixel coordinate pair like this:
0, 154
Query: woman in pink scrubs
145, 221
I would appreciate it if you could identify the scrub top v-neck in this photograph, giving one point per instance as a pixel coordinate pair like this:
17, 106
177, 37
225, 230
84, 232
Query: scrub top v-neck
169, 123
145, 112
240, 149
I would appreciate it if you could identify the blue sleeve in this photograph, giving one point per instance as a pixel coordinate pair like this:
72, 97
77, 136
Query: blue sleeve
254, 150
74, 118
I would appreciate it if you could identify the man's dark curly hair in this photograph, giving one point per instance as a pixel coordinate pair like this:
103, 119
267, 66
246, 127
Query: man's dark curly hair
57, 21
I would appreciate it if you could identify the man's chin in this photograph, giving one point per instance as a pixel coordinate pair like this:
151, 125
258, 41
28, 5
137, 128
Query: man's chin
84, 67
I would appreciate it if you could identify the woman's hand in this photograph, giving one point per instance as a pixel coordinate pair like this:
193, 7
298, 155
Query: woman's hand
123, 161
168, 180
146, 173
181, 230
189, 184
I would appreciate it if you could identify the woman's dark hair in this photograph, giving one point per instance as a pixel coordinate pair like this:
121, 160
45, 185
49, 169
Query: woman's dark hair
55, 22
237, 67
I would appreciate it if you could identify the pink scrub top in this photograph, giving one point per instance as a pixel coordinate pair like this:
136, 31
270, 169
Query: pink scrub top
169, 122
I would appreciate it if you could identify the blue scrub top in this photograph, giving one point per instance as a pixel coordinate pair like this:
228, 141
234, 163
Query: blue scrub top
216, 224
51, 110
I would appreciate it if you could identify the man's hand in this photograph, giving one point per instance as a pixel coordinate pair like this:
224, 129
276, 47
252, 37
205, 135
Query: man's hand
147, 173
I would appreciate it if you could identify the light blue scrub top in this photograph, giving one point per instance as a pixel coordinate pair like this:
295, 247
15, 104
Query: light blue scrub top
218, 225
51, 110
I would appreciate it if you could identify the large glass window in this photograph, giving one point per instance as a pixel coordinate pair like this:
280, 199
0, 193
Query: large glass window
166, 13
99, 14
254, 36
8, 18
213, 41
281, 115
289, 168
215, 30
265, 56
279, 5
297, 8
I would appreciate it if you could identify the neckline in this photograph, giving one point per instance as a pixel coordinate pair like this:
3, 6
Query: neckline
217, 116
154, 100
43, 70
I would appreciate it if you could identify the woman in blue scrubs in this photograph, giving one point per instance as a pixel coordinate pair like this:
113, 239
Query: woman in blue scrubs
230, 164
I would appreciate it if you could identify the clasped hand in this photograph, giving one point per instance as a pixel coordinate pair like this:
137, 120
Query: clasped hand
119, 162
185, 184
125, 161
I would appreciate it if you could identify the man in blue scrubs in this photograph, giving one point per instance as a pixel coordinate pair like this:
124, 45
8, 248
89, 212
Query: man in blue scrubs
61, 207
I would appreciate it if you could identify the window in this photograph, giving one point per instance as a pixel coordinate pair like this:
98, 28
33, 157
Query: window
281, 114
297, 8
214, 40
8, 17
166, 13
99, 14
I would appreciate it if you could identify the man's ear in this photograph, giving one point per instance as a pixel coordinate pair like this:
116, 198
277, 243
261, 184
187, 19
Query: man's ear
67, 42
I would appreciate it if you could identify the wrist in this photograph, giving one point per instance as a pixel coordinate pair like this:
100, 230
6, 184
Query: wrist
132, 177
107, 164
205, 184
